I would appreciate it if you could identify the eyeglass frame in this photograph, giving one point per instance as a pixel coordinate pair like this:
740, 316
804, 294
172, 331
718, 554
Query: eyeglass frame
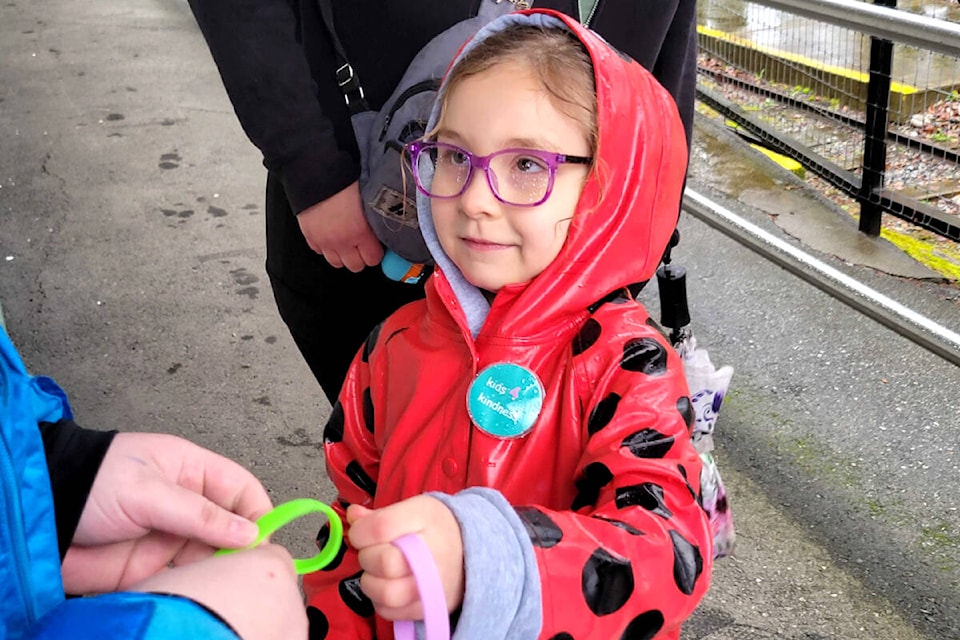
552, 159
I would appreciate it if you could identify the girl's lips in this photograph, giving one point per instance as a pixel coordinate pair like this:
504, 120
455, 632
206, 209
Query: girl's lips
484, 245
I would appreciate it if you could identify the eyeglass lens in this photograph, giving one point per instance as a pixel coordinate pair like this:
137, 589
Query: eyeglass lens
515, 177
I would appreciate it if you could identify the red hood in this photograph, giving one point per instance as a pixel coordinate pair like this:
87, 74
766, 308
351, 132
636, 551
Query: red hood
628, 208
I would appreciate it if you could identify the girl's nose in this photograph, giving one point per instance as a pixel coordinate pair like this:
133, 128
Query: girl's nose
478, 200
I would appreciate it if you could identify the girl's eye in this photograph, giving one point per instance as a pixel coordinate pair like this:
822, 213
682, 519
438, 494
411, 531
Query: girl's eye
453, 156
529, 164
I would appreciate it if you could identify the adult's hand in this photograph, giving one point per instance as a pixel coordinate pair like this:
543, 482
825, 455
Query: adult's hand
337, 229
159, 500
255, 591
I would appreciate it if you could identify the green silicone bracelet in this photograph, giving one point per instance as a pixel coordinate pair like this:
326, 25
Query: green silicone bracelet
286, 513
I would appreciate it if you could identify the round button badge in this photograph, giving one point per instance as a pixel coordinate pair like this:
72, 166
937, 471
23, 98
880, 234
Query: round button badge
505, 400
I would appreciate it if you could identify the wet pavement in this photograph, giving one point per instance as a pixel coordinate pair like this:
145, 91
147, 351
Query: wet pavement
131, 270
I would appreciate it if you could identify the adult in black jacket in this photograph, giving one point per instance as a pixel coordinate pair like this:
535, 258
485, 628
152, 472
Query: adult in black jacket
278, 67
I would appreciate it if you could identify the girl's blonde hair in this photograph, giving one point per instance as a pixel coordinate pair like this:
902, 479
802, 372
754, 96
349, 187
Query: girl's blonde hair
556, 57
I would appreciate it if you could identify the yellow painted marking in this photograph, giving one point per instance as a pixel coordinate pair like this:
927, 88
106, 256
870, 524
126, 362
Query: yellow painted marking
843, 72
786, 162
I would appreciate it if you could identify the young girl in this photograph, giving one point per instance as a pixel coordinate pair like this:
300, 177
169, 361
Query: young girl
527, 419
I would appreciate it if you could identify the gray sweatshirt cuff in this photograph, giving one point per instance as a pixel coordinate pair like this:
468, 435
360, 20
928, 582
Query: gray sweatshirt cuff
502, 589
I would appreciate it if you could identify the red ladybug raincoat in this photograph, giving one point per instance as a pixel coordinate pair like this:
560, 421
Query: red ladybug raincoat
605, 479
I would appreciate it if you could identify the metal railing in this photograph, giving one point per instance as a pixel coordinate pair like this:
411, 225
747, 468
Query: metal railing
879, 21
858, 102
915, 327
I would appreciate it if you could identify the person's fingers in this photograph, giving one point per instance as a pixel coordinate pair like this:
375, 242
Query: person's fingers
387, 524
139, 468
227, 483
333, 257
370, 249
352, 260
384, 561
192, 551
378, 528
397, 596
115, 566
374, 532
95, 569
183, 512
356, 511
314, 246
409, 612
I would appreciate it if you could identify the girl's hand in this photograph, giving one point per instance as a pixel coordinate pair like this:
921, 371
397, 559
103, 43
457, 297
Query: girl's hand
387, 579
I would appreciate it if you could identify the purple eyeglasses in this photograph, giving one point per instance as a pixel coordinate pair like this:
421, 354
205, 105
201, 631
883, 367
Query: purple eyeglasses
517, 177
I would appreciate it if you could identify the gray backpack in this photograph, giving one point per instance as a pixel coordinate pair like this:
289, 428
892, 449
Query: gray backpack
388, 190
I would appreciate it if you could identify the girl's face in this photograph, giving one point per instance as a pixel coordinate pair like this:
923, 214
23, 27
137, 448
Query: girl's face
493, 243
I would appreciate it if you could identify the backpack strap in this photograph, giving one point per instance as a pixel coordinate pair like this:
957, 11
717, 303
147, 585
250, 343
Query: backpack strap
347, 78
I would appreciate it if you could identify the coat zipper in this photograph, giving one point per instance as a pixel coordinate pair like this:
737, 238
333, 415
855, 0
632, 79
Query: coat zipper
593, 11
18, 539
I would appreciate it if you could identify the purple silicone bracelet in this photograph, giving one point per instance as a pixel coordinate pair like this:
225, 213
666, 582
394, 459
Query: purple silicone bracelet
435, 619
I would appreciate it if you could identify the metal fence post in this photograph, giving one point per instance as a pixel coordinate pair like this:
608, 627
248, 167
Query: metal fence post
875, 131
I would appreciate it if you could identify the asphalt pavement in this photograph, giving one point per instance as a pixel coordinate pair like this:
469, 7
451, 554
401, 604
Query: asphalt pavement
131, 270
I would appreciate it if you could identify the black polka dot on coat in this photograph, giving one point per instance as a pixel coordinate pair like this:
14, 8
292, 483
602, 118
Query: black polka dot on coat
543, 531
607, 582
368, 410
595, 476
323, 536
360, 478
685, 407
587, 337
656, 325
318, 624
626, 526
333, 431
683, 472
563, 635
603, 413
644, 627
647, 495
687, 563
644, 355
371, 342
648, 443
354, 598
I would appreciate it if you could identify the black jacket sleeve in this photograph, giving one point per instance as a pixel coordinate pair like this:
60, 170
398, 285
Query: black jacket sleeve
74, 455
268, 79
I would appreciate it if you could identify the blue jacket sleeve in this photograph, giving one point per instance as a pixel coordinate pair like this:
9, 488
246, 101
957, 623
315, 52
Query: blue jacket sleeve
133, 616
